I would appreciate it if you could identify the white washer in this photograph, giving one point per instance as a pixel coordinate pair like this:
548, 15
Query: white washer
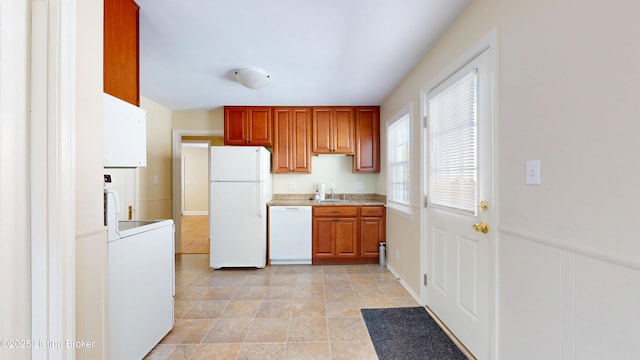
140, 282
290, 235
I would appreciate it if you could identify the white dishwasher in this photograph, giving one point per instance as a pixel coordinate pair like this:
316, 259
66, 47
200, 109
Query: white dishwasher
290, 235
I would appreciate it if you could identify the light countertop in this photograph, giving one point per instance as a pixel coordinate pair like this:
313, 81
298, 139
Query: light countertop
303, 200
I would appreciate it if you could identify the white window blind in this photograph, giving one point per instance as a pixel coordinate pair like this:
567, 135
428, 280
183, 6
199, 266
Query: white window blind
452, 136
399, 135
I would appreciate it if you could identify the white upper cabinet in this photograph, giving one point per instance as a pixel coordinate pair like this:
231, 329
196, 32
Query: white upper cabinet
125, 134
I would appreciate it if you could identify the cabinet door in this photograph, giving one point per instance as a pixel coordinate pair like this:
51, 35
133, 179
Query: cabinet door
323, 238
235, 125
259, 125
333, 130
344, 128
282, 140
346, 237
301, 140
120, 60
371, 233
322, 131
291, 140
367, 154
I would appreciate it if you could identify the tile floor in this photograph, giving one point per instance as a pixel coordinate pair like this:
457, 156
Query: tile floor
280, 312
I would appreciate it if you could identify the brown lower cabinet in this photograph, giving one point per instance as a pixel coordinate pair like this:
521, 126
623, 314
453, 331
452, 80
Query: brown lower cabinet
372, 230
342, 236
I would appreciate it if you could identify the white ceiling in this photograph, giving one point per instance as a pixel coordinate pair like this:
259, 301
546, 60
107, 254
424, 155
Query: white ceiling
317, 52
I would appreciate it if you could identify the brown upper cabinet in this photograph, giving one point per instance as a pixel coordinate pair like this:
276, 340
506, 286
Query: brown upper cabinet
333, 130
248, 125
367, 154
121, 51
291, 139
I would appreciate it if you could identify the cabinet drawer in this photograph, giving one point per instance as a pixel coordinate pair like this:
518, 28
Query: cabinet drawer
372, 211
335, 211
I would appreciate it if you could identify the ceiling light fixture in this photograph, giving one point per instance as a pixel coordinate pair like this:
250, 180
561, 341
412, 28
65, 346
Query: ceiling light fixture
253, 79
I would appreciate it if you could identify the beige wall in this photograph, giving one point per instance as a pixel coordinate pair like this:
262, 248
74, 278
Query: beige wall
196, 178
15, 301
155, 196
567, 265
326, 169
91, 244
198, 119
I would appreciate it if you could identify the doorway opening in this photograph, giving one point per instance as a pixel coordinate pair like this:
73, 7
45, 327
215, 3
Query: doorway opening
191, 188
194, 197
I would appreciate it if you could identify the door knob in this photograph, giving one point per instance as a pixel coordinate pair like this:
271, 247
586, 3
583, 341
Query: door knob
482, 227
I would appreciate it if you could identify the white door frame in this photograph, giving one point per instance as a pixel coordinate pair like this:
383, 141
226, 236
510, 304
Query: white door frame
53, 207
177, 175
488, 43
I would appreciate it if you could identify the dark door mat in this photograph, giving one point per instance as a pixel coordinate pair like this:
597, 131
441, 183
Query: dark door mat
408, 333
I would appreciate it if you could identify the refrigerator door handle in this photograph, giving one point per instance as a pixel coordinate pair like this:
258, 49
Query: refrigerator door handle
258, 165
260, 199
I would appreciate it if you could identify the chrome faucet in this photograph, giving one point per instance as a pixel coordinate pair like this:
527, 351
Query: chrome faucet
332, 193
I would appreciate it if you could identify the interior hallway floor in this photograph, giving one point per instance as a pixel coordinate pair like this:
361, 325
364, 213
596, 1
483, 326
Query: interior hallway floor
279, 312
195, 234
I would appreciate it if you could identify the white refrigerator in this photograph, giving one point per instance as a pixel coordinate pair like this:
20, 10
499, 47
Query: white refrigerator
240, 187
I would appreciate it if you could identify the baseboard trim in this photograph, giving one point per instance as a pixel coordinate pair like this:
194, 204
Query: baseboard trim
405, 285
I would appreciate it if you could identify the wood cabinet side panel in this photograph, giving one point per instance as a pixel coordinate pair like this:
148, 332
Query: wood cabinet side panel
121, 50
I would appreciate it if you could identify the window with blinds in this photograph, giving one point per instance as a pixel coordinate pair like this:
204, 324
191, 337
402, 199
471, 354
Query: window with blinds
399, 145
452, 140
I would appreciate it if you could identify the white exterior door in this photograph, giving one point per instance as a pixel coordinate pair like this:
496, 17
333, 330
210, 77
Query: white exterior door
458, 253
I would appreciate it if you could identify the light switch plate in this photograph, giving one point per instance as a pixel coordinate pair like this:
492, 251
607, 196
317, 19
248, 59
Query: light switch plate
532, 176
359, 186
293, 185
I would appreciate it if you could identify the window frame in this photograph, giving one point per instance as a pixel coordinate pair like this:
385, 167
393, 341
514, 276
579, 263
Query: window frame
429, 96
487, 102
401, 207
